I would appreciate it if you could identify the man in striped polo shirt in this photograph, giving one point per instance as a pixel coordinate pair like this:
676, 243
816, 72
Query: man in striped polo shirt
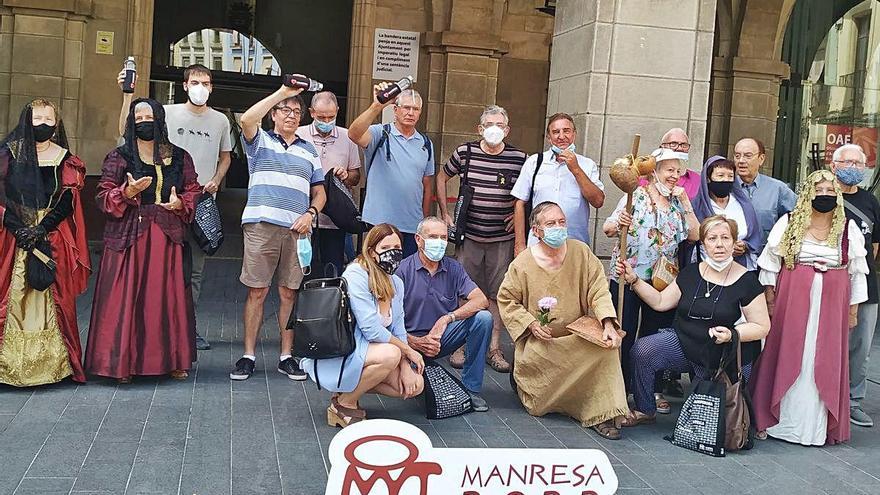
491, 166
285, 194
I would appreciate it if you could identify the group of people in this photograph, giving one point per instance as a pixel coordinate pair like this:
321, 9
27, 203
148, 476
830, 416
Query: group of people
721, 257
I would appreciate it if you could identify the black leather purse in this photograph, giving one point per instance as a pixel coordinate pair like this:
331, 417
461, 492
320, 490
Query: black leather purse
40, 267
322, 324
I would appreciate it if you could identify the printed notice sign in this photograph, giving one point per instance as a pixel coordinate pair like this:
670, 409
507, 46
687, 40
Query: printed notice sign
104, 43
387, 457
395, 54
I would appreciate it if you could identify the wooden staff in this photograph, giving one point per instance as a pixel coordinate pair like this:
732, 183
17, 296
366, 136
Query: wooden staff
623, 236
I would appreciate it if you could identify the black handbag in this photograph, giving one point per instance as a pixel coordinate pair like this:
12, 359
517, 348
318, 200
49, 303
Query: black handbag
340, 206
207, 226
456, 231
445, 396
322, 323
40, 267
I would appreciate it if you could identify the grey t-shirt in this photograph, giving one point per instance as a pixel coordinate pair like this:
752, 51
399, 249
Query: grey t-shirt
202, 135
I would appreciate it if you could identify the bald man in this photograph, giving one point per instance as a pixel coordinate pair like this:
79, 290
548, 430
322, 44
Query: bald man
677, 140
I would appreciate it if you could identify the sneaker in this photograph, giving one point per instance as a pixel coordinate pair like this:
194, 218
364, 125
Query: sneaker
859, 417
291, 368
244, 368
202, 344
478, 403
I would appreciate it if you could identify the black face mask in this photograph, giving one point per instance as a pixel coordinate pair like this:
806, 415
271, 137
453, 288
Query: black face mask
824, 204
43, 132
144, 131
720, 189
390, 260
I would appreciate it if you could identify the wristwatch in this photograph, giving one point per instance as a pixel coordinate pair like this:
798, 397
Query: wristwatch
451, 316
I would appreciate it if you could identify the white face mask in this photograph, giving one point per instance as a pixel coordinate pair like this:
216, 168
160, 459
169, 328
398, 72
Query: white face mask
718, 266
198, 95
680, 155
493, 135
663, 189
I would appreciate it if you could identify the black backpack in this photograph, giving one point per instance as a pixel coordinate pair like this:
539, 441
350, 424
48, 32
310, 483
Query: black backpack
322, 323
340, 206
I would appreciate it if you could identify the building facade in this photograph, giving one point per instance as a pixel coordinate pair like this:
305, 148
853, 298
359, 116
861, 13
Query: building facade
789, 72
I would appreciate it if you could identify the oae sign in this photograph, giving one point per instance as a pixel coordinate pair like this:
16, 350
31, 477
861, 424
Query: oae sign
386, 457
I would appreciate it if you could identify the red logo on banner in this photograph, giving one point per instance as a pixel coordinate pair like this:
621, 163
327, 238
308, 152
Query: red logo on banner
411, 468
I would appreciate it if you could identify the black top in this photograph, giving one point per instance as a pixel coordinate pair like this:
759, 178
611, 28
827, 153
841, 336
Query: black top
868, 205
724, 305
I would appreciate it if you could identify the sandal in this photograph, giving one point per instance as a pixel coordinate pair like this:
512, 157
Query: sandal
124, 381
636, 418
342, 416
456, 360
663, 405
607, 430
179, 374
761, 435
357, 412
495, 359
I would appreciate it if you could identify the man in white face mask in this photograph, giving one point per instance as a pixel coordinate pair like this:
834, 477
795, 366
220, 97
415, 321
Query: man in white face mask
484, 233
204, 133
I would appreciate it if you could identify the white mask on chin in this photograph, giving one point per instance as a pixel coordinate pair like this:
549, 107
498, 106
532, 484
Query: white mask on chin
663, 189
718, 266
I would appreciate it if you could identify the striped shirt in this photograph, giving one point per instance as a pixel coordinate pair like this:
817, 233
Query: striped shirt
492, 177
281, 176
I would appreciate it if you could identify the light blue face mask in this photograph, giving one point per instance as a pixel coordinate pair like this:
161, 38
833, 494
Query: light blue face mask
555, 237
435, 249
325, 127
850, 176
304, 253
557, 150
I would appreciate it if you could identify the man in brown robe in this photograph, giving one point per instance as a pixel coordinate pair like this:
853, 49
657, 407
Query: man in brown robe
555, 370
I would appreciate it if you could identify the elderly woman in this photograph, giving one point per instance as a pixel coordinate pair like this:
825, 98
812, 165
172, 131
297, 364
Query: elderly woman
555, 370
717, 196
813, 268
382, 361
711, 299
661, 218
142, 318
42, 225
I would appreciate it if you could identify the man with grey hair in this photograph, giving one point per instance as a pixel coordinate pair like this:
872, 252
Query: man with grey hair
337, 153
485, 246
400, 163
436, 322
677, 140
848, 165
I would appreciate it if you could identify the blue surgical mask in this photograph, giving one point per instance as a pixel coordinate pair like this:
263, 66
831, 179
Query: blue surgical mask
435, 249
325, 127
850, 176
557, 150
555, 237
304, 253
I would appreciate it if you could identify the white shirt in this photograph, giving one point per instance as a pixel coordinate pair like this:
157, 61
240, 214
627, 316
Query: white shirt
556, 183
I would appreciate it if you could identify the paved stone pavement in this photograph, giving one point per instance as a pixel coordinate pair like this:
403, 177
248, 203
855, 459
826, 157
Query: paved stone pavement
268, 435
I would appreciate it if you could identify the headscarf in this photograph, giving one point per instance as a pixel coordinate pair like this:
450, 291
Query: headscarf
703, 207
800, 218
24, 183
163, 153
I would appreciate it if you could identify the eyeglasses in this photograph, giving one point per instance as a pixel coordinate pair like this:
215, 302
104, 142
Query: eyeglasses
745, 156
676, 146
410, 108
287, 111
850, 163
694, 300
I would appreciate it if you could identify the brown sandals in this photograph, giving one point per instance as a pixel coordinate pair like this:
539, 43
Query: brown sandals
607, 429
636, 418
179, 374
495, 359
341, 416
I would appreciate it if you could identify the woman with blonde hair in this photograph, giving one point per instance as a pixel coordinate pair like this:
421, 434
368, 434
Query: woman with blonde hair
813, 270
382, 361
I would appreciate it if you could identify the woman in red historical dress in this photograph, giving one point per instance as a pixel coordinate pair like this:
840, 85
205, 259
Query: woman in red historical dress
42, 228
142, 318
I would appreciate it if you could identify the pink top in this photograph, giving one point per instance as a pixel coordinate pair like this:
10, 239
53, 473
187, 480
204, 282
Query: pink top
690, 181
335, 151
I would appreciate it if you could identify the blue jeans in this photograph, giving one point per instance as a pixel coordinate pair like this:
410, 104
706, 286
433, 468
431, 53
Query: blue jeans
475, 332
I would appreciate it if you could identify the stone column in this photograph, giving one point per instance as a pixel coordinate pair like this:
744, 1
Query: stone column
41, 57
622, 67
